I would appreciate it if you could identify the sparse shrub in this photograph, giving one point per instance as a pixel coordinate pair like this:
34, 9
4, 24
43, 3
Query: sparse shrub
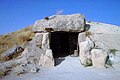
46, 18
113, 51
4, 58
48, 29
4, 72
88, 33
109, 63
19, 73
97, 22
88, 63
1, 74
89, 21
24, 38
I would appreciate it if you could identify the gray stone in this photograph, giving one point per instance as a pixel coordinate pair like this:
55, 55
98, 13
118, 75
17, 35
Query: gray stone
35, 69
75, 54
45, 61
31, 55
99, 58
46, 41
19, 70
84, 53
81, 37
12, 51
37, 39
74, 23
49, 53
99, 45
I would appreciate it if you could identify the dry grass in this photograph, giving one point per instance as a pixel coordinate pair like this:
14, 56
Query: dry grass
4, 72
20, 37
88, 33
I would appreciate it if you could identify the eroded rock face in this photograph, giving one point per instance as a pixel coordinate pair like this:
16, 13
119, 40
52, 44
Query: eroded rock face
99, 58
73, 23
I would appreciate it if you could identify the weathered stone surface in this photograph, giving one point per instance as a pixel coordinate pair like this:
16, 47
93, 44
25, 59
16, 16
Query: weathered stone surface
19, 70
8, 65
37, 39
75, 54
106, 34
46, 41
81, 37
47, 60
12, 51
100, 45
84, 53
49, 53
74, 23
99, 58
25, 68
31, 55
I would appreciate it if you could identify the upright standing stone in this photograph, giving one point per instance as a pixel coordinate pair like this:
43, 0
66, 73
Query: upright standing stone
84, 53
99, 57
46, 41
47, 59
81, 37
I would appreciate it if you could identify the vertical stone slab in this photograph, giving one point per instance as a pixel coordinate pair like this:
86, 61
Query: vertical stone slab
47, 60
84, 52
81, 37
46, 41
99, 57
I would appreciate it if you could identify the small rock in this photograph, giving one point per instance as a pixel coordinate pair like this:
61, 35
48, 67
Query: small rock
35, 69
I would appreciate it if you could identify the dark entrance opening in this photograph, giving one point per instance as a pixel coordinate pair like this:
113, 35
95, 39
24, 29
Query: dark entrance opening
63, 43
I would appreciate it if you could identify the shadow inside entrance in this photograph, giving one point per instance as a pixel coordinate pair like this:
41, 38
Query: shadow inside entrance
59, 60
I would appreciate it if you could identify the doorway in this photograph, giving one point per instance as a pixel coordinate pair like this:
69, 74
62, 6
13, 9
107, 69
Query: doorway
63, 43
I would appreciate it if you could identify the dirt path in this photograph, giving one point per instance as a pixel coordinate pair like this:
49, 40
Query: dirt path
70, 69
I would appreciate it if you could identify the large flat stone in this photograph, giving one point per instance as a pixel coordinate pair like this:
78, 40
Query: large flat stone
72, 23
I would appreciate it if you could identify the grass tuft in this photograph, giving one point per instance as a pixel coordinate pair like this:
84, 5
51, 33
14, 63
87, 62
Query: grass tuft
113, 51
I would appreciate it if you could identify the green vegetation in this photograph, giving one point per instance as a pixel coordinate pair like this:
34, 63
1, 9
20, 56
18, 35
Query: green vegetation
109, 62
1, 74
88, 63
113, 51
